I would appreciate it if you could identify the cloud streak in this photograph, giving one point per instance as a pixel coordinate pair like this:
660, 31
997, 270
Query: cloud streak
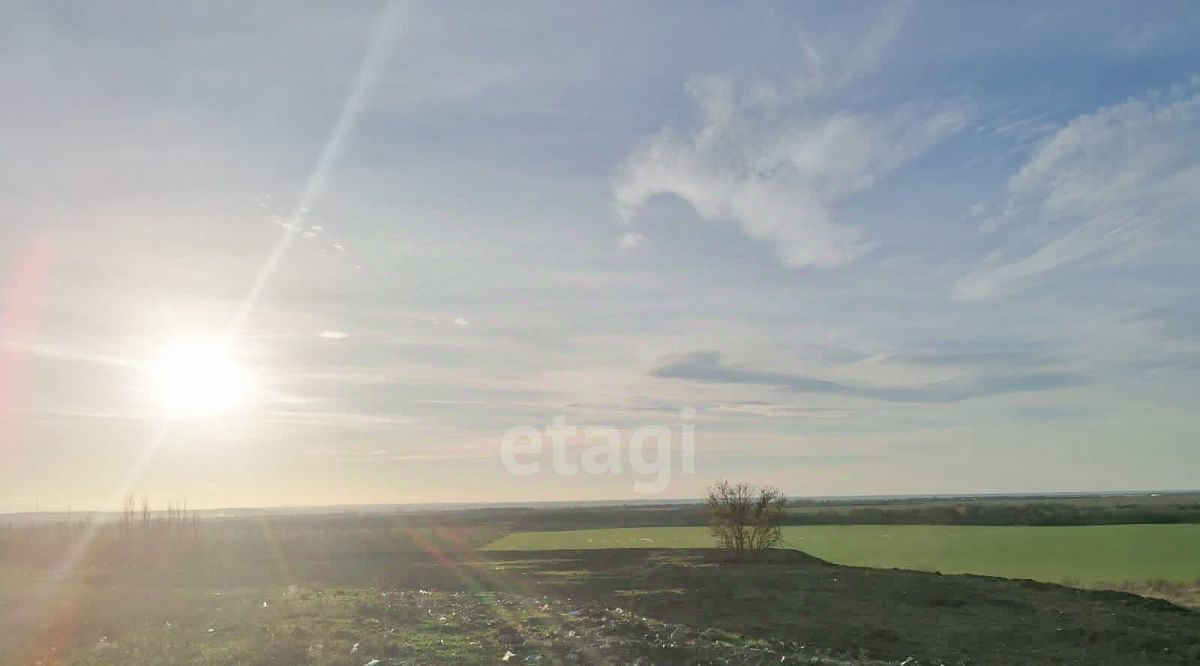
1105, 189
706, 366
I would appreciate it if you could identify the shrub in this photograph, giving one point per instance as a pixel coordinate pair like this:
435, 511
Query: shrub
745, 518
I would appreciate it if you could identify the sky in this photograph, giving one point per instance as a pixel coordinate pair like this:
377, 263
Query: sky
857, 248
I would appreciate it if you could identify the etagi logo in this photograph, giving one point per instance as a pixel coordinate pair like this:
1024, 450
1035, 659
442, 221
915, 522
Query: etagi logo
599, 450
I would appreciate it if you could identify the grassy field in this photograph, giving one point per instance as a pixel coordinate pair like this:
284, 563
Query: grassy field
1107, 554
347, 590
1111, 502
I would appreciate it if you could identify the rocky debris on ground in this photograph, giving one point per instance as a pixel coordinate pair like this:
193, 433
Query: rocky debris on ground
541, 630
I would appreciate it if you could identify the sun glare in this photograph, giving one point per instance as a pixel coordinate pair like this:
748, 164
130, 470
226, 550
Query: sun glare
198, 378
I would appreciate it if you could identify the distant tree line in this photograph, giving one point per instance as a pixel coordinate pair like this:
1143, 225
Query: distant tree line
938, 512
1038, 513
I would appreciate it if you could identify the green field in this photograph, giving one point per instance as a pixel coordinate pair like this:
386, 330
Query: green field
1104, 502
1086, 555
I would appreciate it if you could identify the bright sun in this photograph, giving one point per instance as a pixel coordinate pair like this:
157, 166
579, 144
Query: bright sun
198, 378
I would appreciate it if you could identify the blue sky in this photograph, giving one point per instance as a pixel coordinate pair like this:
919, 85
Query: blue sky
878, 247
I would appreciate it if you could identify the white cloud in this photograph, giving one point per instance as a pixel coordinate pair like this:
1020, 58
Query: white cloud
459, 321
333, 335
630, 240
778, 169
1106, 188
865, 58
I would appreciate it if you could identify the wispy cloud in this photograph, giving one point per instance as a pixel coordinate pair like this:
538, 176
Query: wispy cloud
778, 159
630, 240
866, 57
1108, 187
769, 409
332, 419
708, 366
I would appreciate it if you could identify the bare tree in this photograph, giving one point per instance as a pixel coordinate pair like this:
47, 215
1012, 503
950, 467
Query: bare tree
127, 513
146, 514
745, 517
